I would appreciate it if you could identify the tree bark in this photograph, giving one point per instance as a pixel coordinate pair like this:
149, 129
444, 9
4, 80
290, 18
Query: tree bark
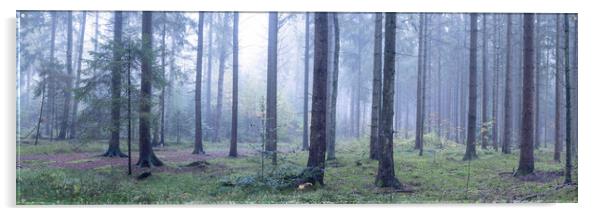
272, 87
147, 156
558, 93
386, 166
317, 148
306, 86
508, 89
198, 117
484, 93
526, 163
331, 141
116, 67
376, 87
234, 130
419, 87
220, 79
471, 152
567, 89
69, 79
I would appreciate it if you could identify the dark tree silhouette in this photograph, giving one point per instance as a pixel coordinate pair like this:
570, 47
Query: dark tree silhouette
147, 155
234, 130
567, 89
317, 148
376, 87
386, 167
471, 152
116, 71
526, 163
272, 87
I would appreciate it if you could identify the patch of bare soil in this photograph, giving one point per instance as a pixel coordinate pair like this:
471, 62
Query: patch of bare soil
86, 161
537, 176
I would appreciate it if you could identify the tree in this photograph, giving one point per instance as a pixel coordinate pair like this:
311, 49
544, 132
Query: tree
558, 93
526, 163
220, 79
47, 78
80, 51
234, 130
508, 89
272, 87
331, 141
163, 66
198, 123
484, 117
147, 155
116, 67
471, 152
209, 71
306, 85
567, 89
386, 170
69, 79
317, 148
376, 87
419, 86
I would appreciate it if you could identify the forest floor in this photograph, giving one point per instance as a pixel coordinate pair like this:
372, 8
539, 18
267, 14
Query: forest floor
74, 173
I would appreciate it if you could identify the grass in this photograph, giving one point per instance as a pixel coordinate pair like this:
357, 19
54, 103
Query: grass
439, 176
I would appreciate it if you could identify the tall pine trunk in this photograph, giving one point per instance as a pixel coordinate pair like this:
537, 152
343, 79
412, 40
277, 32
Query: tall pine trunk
147, 156
331, 141
198, 123
508, 90
234, 130
471, 152
305, 145
80, 51
272, 87
386, 167
376, 87
116, 71
526, 164
69, 79
484, 93
317, 148
558, 93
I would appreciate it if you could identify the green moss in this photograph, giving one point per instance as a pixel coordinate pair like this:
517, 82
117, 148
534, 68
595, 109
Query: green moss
439, 175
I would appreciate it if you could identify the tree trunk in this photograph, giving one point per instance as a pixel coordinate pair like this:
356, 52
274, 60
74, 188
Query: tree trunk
569, 162
317, 148
386, 166
526, 164
114, 150
198, 123
209, 71
471, 152
147, 156
306, 86
419, 88
69, 79
234, 130
220, 80
331, 141
484, 117
271, 106
376, 87
163, 64
558, 91
80, 51
508, 90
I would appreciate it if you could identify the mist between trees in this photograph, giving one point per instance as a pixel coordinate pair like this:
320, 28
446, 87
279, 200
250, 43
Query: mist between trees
505, 83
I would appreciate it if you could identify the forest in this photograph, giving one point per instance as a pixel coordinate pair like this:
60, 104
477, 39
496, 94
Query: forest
169, 107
